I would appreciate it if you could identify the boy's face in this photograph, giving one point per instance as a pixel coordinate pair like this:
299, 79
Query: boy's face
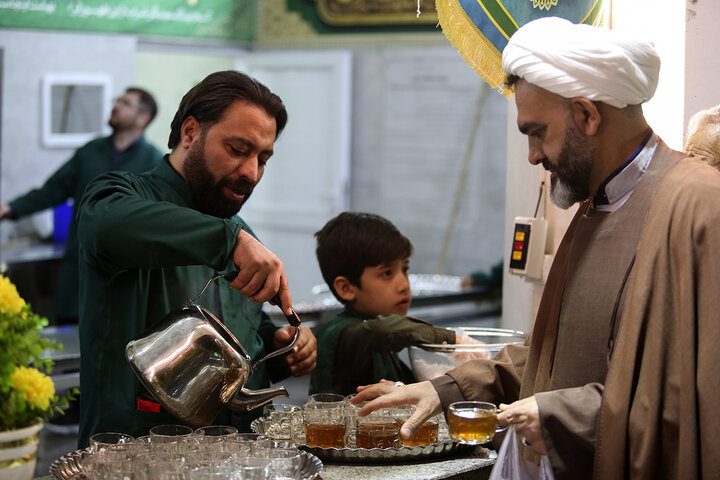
385, 289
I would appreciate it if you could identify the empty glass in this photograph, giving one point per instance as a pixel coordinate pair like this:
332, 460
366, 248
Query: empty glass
171, 430
284, 463
283, 421
325, 397
252, 468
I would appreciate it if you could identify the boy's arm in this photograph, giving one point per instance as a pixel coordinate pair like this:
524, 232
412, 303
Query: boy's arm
392, 333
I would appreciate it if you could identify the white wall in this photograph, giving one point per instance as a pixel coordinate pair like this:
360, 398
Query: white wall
28, 55
414, 111
702, 63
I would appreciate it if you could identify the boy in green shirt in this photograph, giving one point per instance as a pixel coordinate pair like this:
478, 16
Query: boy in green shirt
365, 260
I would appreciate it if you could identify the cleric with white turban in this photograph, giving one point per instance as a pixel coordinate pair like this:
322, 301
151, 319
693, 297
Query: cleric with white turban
575, 60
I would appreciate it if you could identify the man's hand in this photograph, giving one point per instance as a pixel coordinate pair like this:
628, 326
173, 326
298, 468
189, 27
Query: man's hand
525, 416
303, 356
422, 395
5, 211
261, 274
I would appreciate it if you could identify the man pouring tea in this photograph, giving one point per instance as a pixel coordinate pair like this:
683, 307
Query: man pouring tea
149, 242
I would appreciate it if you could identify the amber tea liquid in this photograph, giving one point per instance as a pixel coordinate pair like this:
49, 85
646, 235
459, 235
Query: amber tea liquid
325, 435
376, 435
427, 434
472, 425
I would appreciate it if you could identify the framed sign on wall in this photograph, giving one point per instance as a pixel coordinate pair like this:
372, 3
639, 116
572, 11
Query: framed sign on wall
75, 108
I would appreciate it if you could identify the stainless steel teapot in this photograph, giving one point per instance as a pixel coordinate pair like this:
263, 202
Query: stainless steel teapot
194, 366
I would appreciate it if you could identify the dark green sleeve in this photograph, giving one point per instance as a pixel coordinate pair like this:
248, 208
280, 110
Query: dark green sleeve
392, 333
57, 189
123, 227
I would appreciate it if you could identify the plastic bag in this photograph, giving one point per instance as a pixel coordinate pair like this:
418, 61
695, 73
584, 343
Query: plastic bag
510, 464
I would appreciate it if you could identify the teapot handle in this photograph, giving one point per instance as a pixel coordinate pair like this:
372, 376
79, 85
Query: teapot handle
292, 319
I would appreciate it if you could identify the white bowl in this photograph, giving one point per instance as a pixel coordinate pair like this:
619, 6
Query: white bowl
432, 360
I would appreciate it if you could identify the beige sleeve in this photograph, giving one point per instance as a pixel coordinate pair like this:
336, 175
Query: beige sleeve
495, 381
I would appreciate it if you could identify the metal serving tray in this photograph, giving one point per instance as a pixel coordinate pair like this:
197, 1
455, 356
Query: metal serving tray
70, 466
377, 455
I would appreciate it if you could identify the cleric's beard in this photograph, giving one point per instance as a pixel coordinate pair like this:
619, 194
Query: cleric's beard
570, 179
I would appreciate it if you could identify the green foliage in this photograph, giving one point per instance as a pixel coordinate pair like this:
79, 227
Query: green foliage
26, 393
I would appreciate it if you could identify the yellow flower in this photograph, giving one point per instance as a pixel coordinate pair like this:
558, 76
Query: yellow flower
37, 388
10, 300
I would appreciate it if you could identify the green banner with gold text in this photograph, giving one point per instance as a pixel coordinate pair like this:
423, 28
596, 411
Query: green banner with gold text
232, 20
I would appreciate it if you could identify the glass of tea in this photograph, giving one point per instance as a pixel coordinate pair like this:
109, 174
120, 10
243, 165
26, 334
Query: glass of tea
325, 425
472, 422
377, 431
427, 434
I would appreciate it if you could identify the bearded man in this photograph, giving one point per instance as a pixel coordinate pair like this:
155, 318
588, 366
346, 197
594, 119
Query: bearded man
617, 379
151, 241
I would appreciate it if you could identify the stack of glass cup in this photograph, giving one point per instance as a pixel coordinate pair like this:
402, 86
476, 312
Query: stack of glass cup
176, 452
329, 420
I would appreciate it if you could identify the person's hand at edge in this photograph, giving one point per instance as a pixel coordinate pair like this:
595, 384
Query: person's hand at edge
525, 416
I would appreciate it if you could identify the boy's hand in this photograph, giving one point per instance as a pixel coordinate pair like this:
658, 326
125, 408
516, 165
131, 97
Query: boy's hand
461, 337
303, 356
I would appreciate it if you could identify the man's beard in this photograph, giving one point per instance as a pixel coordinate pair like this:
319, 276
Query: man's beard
207, 193
571, 179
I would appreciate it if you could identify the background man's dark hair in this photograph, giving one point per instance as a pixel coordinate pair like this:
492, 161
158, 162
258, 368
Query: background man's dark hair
147, 102
350, 242
208, 100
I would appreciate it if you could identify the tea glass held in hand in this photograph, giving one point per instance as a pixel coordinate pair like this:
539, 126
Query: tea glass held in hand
325, 425
473, 422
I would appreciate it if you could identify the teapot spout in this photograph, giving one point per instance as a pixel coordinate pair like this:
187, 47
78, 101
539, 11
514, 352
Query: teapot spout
245, 400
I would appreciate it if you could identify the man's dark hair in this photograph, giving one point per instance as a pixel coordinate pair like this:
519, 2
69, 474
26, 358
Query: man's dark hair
208, 100
147, 102
350, 242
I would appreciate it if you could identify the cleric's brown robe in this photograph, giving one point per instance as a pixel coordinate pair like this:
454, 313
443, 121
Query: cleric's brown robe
575, 409
660, 416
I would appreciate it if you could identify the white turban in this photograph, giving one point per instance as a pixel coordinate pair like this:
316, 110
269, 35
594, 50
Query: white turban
574, 60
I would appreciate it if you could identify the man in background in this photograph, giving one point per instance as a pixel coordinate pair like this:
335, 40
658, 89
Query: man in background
125, 149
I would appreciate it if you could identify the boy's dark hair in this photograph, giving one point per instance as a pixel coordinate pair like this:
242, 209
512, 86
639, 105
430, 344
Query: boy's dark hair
147, 101
352, 241
208, 100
